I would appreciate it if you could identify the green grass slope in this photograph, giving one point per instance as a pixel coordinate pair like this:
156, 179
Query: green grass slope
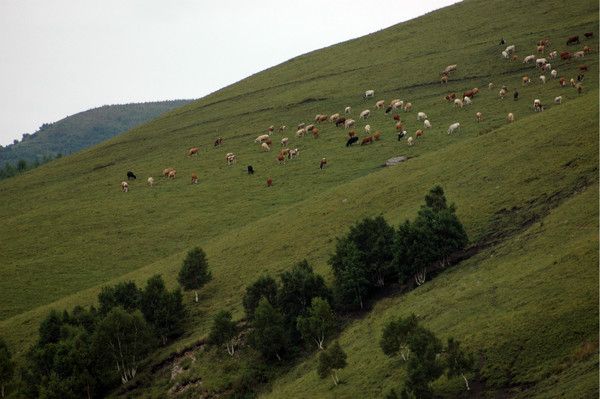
83, 130
67, 230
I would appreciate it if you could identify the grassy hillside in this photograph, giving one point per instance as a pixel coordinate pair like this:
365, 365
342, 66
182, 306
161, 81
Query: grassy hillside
83, 130
529, 186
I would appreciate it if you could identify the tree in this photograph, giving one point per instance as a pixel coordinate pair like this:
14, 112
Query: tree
424, 366
436, 199
126, 339
395, 336
194, 271
126, 295
223, 331
318, 324
162, 309
265, 287
413, 252
7, 366
351, 284
21, 165
269, 334
330, 361
457, 361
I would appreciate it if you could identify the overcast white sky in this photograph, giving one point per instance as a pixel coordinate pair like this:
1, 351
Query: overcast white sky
60, 57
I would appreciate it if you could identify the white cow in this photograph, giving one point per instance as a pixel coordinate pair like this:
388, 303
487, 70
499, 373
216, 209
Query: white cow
453, 127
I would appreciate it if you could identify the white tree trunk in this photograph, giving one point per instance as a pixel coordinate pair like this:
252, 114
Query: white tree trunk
196, 295
466, 382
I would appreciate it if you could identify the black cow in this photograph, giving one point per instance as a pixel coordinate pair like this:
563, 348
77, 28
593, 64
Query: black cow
250, 170
351, 141
130, 175
516, 95
340, 121
388, 109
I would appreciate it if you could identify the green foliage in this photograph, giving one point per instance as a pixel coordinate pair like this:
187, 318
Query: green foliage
124, 339
269, 335
223, 331
332, 360
318, 324
126, 295
194, 271
435, 199
424, 365
458, 362
351, 283
7, 366
395, 336
264, 286
163, 310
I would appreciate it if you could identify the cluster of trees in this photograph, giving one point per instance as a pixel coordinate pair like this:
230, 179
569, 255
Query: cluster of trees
10, 170
373, 254
425, 357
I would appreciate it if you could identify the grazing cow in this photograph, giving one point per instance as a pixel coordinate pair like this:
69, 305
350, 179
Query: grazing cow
479, 116
580, 77
285, 152
407, 107
396, 117
399, 127
543, 79
323, 118
310, 127
401, 134
261, 138
388, 109
587, 49
505, 54
284, 141
453, 127
340, 121
367, 129
490, 86
444, 79
588, 34
510, 49
172, 174
579, 54
124, 186
322, 163
377, 135
366, 140
194, 178
547, 67
300, 126
218, 142
553, 55
554, 73
558, 100
543, 42
579, 88
365, 114
231, 159
529, 58
458, 102
351, 133
351, 141
525, 80
301, 132
421, 116
418, 133
397, 104
166, 172
510, 118
583, 68
265, 147
380, 104
281, 158
270, 129
516, 95
471, 93
349, 123
282, 128
410, 141
369, 94
514, 58
467, 100
130, 175
502, 41
502, 93
269, 182
250, 169
294, 153
450, 97
572, 81
150, 181
334, 117
540, 62
541, 48
565, 55
315, 133
562, 81
537, 105
347, 110
427, 124
573, 40
192, 151
449, 68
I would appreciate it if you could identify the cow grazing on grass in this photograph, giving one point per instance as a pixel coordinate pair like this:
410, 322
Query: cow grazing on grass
194, 178
377, 135
490, 86
588, 35
450, 97
380, 104
444, 78
552, 55
396, 117
351, 141
543, 79
399, 127
418, 133
558, 100
262, 138
502, 93
282, 128
421, 116
366, 140
351, 133
427, 124
301, 132
510, 118
453, 127
284, 141
340, 122
388, 109
295, 153
369, 94
280, 158
471, 93
479, 116
401, 134
322, 163
218, 142
410, 141
525, 80
265, 147
270, 129
269, 182
565, 55
231, 158
167, 171
573, 40
150, 181
554, 73
365, 114
172, 174
407, 107
458, 102
347, 110
537, 105
562, 82
124, 186
250, 169
130, 175
333, 118
315, 133
528, 59
193, 151
349, 123
516, 95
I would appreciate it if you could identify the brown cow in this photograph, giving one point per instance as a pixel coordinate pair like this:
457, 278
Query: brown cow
340, 121
172, 174
167, 171
588, 34
270, 129
565, 55
444, 79
323, 163
450, 97
192, 151
377, 135
419, 133
366, 140
315, 133
562, 81
281, 158
194, 178
351, 133
396, 117
573, 40
399, 127
269, 182
583, 68
471, 93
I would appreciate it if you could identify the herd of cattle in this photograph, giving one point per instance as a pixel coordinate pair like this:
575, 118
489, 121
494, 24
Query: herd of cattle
394, 106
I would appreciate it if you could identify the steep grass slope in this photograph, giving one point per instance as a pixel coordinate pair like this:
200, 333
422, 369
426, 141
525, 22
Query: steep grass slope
67, 229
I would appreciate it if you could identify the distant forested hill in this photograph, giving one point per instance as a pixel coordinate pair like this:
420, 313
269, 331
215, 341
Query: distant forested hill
79, 131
